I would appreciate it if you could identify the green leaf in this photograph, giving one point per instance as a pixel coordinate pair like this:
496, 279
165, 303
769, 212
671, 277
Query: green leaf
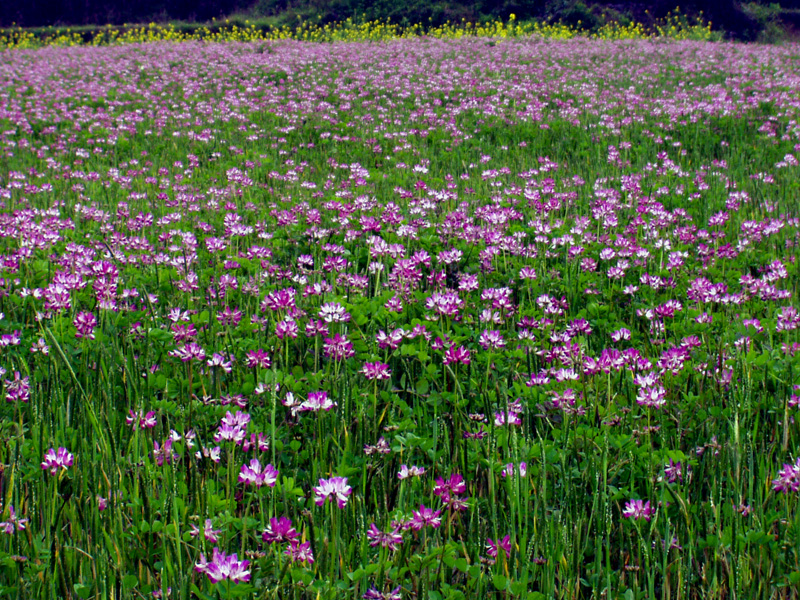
82, 590
356, 575
500, 582
517, 588
241, 589
130, 581
301, 575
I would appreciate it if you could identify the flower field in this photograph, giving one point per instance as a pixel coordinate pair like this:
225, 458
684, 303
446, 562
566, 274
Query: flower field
412, 319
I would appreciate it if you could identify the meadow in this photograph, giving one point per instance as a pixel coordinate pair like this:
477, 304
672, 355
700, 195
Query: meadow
425, 318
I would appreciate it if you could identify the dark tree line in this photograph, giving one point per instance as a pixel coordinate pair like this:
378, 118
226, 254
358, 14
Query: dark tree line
37, 13
725, 14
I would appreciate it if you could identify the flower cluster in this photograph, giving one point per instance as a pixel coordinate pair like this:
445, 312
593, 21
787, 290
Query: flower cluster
335, 488
223, 567
57, 459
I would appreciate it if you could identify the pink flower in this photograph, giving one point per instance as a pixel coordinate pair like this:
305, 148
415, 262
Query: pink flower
57, 459
425, 517
85, 322
301, 553
636, 509
376, 371
257, 358
223, 567
208, 531
788, 479
454, 486
508, 470
491, 340
14, 523
189, 352
412, 471
279, 530
335, 487
390, 539
255, 475
492, 546
317, 401
147, 421
375, 594
456, 355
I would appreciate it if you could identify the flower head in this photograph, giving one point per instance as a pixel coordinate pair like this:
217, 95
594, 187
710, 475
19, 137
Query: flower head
375, 594
376, 371
636, 509
412, 471
389, 539
492, 546
301, 553
333, 488
254, 474
279, 530
425, 517
57, 459
222, 567
208, 531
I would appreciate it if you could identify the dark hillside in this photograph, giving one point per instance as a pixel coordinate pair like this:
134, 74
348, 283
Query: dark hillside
744, 21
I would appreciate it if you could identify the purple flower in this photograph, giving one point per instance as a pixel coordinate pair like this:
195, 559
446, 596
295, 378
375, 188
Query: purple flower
298, 552
14, 523
636, 509
674, 471
279, 530
257, 442
57, 459
317, 401
492, 546
389, 539
223, 567
509, 471
654, 396
507, 418
492, 340
412, 471
456, 355
208, 531
147, 421
374, 594
376, 371
333, 312
17, 388
338, 347
255, 475
257, 358
335, 487
788, 479
453, 487
164, 454
189, 352
219, 360
287, 328
85, 322
425, 517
